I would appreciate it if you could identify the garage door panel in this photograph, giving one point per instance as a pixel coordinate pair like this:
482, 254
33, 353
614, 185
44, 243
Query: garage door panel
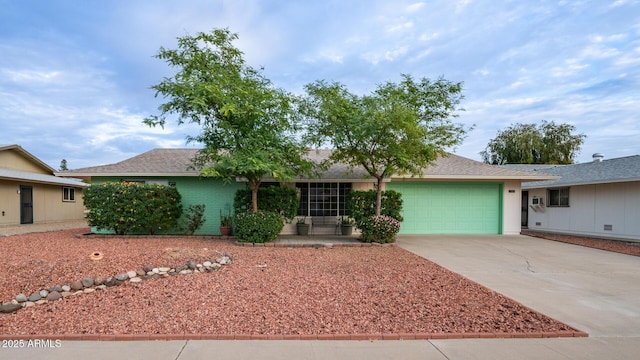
450, 208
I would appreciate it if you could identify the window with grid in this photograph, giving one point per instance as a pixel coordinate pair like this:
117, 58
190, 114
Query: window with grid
558, 197
323, 199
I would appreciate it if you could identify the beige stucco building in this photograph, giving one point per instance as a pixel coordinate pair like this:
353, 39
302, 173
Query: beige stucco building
31, 194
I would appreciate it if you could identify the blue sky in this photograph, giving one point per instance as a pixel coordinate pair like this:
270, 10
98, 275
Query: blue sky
75, 76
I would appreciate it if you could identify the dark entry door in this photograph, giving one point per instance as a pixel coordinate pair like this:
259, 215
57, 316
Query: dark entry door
26, 205
524, 205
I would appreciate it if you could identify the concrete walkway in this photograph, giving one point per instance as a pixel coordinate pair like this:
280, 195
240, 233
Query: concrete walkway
6, 230
593, 290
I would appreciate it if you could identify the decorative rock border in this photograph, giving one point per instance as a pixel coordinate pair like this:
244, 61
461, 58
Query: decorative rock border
89, 285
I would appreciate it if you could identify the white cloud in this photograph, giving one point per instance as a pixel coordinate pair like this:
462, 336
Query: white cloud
400, 28
429, 36
570, 68
415, 7
31, 76
629, 59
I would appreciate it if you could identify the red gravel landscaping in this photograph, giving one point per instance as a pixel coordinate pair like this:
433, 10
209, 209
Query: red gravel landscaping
619, 246
344, 292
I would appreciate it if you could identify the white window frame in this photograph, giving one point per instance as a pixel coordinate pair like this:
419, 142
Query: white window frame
562, 198
68, 194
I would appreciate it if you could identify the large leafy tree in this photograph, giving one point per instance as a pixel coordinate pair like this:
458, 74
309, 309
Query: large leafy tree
544, 143
248, 125
400, 128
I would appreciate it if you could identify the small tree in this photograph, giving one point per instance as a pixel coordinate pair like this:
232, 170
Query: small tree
400, 128
546, 143
248, 125
63, 165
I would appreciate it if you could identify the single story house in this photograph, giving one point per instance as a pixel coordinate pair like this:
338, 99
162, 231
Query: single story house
599, 198
454, 196
31, 194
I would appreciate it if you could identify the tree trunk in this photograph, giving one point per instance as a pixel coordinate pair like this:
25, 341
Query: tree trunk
254, 185
379, 196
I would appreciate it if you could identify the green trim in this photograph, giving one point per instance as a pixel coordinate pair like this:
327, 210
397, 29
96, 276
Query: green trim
501, 209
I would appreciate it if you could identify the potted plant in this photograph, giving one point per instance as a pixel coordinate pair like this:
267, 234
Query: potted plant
346, 225
302, 226
225, 223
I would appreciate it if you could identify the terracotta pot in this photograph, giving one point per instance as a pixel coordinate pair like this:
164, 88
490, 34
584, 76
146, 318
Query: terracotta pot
225, 230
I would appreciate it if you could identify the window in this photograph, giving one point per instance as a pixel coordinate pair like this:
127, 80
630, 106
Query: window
558, 197
68, 194
323, 199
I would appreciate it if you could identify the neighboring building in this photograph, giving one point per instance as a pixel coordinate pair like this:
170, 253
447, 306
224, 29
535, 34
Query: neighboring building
600, 198
31, 194
454, 196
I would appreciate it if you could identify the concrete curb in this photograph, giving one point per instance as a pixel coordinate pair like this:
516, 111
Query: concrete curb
355, 337
324, 244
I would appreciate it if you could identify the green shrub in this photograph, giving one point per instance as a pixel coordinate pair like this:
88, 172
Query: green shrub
194, 218
132, 208
381, 229
258, 227
280, 200
362, 205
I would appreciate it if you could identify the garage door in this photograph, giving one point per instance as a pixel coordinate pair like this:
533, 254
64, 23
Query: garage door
450, 208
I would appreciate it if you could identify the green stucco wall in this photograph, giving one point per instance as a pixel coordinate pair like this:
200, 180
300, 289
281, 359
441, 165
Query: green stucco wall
215, 194
450, 207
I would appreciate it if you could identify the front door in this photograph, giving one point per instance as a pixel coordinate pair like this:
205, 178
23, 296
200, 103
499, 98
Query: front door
524, 205
26, 205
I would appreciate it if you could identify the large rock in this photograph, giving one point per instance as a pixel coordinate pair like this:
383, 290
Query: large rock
147, 268
35, 297
131, 274
87, 282
21, 298
98, 281
57, 288
9, 308
76, 285
223, 260
44, 293
122, 277
53, 296
191, 264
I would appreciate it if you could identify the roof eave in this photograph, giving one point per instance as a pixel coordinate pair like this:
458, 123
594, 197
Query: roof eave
123, 174
476, 177
580, 183
45, 182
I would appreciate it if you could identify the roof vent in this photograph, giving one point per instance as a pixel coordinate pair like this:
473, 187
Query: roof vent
597, 157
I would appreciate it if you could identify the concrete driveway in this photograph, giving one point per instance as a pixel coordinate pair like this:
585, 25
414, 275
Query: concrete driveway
593, 290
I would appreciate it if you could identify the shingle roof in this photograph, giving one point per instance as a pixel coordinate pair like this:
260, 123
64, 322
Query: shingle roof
175, 162
457, 167
597, 172
156, 162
